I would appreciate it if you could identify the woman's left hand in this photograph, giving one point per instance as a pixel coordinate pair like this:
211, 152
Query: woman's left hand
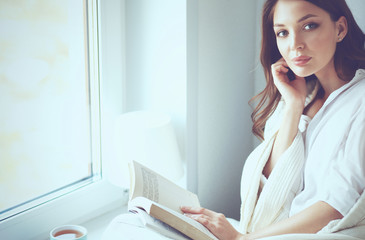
216, 223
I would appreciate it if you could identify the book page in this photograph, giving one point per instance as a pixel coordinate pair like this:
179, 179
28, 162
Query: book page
153, 186
158, 225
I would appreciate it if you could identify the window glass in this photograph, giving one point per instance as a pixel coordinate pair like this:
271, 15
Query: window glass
45, 110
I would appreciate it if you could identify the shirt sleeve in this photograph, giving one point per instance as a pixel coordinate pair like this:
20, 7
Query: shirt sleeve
346, 179
265, 201
272, 126
281, 186
277, 192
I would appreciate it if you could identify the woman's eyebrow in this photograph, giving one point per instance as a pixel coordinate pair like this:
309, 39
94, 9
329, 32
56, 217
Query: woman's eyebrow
306, 17
299, 20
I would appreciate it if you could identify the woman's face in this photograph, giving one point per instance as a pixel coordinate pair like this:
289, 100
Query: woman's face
306, 36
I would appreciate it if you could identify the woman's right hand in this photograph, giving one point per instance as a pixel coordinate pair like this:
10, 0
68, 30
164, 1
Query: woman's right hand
293, 92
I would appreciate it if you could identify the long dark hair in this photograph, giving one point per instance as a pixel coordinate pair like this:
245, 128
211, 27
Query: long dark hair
349, 56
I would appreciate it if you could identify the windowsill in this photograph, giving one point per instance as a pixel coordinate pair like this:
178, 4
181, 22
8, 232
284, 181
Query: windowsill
97, 226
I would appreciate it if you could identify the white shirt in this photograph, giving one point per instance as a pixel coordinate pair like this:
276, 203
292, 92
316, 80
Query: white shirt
334, 143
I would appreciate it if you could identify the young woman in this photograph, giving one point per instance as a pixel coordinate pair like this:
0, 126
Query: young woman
308, 174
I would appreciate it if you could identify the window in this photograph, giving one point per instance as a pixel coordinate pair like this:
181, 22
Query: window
46, 101
50, 136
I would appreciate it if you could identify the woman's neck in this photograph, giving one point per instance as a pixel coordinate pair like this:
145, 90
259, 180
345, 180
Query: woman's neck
329, 80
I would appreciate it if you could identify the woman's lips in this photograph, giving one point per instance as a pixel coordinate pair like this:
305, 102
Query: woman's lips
301, 61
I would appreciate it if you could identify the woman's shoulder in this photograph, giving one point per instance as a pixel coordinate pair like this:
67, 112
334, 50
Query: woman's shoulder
356, 89
359, 79
360, 73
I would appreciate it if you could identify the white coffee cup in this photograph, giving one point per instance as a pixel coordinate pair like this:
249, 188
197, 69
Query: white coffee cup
68, 232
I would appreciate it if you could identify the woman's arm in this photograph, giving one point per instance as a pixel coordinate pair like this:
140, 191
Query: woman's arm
286, 134
310, 220
293, 93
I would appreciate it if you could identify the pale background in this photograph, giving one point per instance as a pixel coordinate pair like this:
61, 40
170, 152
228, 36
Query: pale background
198, 61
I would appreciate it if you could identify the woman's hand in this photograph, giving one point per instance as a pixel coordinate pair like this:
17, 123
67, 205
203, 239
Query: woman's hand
216, 223
293, 92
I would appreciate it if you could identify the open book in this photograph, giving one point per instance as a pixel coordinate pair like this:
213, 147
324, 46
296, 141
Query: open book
161, 199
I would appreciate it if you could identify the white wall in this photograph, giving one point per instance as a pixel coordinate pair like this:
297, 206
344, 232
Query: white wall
220, 81
193, 59
156, 59
358, 7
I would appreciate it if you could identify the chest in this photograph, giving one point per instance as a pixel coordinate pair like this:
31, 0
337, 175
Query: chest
328, 131
312, 109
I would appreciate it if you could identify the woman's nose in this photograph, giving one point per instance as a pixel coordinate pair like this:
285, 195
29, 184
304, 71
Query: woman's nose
296, 42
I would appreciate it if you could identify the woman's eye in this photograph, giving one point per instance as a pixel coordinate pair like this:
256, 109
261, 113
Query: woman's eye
310, 26
282, 33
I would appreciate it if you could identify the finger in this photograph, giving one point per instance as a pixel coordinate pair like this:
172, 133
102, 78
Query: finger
282, 61
203, 219
279, 69
279, 64
194, 210
187, 209
197, 210
190, 210
284, 69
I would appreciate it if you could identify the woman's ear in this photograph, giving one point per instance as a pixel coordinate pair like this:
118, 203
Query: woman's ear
341, 26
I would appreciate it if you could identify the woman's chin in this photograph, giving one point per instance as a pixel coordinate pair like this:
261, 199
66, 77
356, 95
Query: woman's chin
302, 72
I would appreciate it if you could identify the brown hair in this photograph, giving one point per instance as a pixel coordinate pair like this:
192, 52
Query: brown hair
349, 56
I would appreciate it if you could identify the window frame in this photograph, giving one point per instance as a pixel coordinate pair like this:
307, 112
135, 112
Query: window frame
94, 197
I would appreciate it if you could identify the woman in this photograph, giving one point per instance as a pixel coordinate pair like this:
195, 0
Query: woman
308, 175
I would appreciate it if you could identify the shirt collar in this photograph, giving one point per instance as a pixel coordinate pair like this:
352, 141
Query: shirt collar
313, 86
359, 76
